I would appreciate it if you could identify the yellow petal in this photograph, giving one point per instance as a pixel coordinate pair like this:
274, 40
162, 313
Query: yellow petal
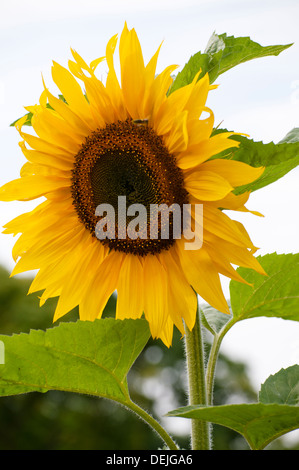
49, 249
203, 276
182, 299
72, 92
30, 169
150, 69
235, 202
83, 65
52, 161
94, 63
218, 223
42, 145
207, 186
52, 128
237, 173
149, 72
200, 129
132, 72
167, 333
198, 97
102, 286
17, 224
155, 294
206, 149
177, 140
75, 281
158, 96
234, 254
130, 289
222, 262
112, 83
31, 187
172, 107
68, 115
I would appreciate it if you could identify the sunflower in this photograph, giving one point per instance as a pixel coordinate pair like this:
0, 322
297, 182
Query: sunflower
132, 138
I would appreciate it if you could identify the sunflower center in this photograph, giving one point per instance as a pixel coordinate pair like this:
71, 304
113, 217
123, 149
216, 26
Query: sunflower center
124, 159
121, 173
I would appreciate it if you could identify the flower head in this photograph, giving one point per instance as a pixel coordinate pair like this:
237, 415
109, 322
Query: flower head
128, 138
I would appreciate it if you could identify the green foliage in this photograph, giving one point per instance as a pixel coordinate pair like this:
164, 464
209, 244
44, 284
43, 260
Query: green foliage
281, 388
55, 420
212, 319
259, 423
84, 357
278, 159
221, 54
26, 123
274, 295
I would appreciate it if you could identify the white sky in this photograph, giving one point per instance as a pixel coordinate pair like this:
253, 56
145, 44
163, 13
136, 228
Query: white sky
260, 98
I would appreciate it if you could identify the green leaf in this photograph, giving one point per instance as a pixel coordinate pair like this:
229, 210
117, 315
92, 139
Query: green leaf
274, 295
26, 123
281, 388
291, 137
258, 423
221, 54
213, 320
278, 159
84, 357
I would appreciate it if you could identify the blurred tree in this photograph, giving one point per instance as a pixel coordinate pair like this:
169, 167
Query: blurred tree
157, 382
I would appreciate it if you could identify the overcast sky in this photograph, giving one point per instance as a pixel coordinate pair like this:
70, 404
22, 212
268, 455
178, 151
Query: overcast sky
260, 98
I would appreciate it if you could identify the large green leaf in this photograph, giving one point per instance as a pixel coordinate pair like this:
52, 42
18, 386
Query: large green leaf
221, 54
278, 159
85, 357
274, 295
258, 423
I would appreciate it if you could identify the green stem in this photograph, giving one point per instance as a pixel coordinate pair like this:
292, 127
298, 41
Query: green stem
153, 423
200, 436
211, 366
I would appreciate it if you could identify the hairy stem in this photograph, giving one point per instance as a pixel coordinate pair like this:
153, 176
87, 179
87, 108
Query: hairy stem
153, 424
211, 366
200, 436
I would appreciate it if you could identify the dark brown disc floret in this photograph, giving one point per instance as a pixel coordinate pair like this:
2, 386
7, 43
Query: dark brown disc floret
125, 159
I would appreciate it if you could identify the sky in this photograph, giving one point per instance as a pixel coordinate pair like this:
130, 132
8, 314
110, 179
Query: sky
259, 98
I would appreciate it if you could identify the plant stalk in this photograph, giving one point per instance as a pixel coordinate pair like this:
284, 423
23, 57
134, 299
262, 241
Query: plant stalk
211, 366
153, 424
200, 433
